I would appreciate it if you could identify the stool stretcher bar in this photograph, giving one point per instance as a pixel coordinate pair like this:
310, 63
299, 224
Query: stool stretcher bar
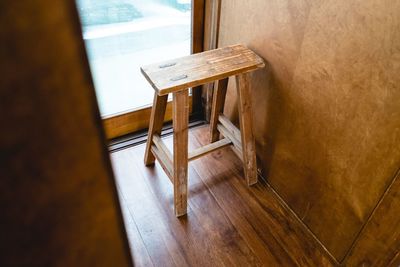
233, 130
163, 152
209, 148
165, 162
237, 145
160, 145
228, 134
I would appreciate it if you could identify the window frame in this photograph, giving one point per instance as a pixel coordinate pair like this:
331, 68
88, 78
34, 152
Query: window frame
138, 119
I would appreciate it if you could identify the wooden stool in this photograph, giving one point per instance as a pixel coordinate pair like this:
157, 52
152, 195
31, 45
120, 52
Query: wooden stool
176, 77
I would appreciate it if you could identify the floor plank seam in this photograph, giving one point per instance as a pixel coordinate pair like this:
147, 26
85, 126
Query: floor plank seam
240, 176
255, 199
167, 211
225, 216
121, 194
159, 207
170, 210
228, 224
218, 204
284, 205
230, 220
237, 172
165, 217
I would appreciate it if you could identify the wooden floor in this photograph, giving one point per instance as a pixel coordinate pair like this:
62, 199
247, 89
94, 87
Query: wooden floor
228, 223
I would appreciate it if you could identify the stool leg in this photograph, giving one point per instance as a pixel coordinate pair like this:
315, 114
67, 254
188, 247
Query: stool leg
217, 107
180, 120
155, 125
245, 119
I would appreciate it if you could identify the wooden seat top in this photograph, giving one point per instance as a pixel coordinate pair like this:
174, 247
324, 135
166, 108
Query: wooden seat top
197, 69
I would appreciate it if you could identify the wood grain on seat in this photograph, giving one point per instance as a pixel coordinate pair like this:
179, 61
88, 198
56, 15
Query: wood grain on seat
190, 71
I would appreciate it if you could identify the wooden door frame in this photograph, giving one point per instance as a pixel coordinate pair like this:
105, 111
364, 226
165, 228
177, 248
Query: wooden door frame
138, 119
212, 14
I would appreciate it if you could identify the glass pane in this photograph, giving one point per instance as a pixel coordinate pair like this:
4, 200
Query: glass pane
122, 35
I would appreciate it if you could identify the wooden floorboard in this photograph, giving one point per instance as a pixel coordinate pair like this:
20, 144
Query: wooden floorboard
269, 217
135, 239
228, 223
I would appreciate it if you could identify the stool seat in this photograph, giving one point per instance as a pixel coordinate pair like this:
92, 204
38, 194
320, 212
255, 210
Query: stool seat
177, 76
197, 69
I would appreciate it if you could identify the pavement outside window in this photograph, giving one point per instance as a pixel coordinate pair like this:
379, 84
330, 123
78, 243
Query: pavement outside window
122, 35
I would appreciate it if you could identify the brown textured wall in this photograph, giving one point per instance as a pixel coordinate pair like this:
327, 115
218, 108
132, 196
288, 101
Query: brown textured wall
327, 108
58, 200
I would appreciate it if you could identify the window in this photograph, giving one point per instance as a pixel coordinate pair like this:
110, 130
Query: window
122, 35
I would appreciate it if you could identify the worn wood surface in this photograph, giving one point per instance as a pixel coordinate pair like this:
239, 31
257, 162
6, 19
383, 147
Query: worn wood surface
327, 106
205, 67
163, 155
237, 144
164, 160
160, 145
204, 150
199, 152
234, 132
227, 224
190, 71
58, 200
155, 124
246, 128
180, 163
218, 103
